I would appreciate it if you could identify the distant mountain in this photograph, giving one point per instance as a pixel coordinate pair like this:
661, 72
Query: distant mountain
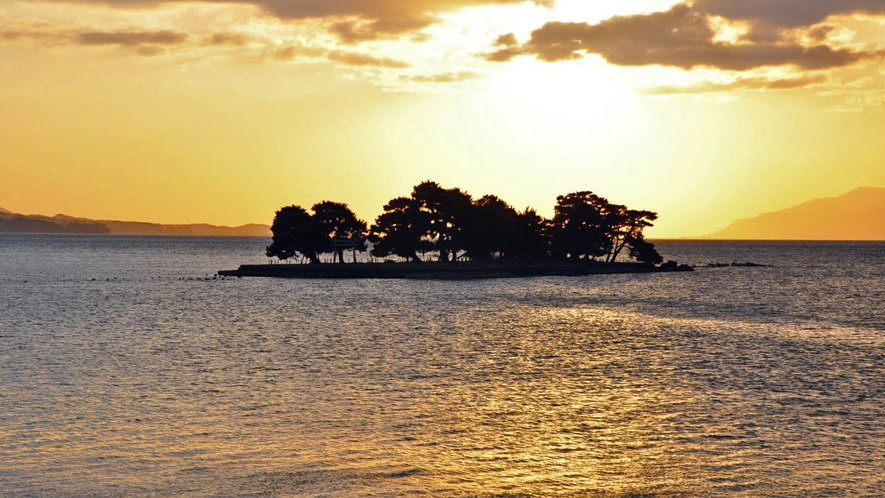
18, 223
198, 229
857, 215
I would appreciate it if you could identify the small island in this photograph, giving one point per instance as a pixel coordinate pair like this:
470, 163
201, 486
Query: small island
444, 233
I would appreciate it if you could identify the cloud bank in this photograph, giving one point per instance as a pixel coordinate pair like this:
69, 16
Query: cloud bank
360, 20
689, 35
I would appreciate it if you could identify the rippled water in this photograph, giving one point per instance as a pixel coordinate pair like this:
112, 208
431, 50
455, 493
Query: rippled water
125, 370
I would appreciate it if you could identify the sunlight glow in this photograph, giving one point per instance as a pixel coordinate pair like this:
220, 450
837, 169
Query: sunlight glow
727, 31
244, 111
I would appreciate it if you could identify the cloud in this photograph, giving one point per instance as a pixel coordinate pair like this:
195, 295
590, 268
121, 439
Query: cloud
358, 20
227, 39
750, 83
448, 77
142, 42
788, 13
131, 38
26, 35
149, 50
359, 59
508, 40
685, 37
151, 43
355, 31
290, 52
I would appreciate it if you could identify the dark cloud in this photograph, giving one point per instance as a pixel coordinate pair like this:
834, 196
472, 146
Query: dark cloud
785, 84
290, 52
27, 35
358, 59
227, 39
355, 31
738, 84
285, 53
362, 19
141, 42
392, 11
505, 54
150, 43
788, 13
680, 37
131, 38
769, 18
12, 35
508, 40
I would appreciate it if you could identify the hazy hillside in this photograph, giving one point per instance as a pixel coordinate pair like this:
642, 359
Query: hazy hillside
17, 223
139, 228
13, 223
857, 215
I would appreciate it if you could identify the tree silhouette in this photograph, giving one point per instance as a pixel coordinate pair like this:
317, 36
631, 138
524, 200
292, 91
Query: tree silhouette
626, 227
296, 231
447, 210
400, 230
490, 230
584, 226
531, 241
580, 226
643, 251
339, 223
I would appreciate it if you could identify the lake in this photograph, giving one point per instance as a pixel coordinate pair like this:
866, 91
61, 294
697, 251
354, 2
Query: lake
126, 369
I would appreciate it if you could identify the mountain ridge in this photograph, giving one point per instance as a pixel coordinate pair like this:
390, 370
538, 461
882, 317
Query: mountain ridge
857, 215
11, 222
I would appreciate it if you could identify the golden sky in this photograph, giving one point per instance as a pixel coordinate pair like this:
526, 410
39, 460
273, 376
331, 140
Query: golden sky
224, 111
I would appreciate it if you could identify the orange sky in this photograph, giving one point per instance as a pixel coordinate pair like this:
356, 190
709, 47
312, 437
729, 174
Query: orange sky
223, 112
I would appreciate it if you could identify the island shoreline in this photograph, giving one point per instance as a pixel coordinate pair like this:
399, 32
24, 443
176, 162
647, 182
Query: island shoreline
444, 271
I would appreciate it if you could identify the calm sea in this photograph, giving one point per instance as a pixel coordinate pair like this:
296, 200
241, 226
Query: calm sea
126, 370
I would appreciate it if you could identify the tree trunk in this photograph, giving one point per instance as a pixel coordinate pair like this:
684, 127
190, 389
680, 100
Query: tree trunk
619, 246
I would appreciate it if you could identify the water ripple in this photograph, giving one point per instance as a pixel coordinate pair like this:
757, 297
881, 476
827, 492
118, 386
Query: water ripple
738, 382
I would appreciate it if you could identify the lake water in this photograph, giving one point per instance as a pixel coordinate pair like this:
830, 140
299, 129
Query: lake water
126, 370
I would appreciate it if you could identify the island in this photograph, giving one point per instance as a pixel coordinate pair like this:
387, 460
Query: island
445, 233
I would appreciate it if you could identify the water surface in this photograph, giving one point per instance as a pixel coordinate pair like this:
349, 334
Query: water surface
126, 370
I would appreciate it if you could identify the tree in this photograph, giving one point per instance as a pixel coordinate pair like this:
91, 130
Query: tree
580, 226
586, 225
296, 231
340, 224
531, 241
626, 227
489, 230
644, 251
400, 230
447, 211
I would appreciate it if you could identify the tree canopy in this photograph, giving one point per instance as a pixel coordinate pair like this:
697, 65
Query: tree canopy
331, 228
401, 230
455, 226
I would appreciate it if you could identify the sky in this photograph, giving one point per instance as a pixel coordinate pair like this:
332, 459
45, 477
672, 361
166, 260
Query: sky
222, 111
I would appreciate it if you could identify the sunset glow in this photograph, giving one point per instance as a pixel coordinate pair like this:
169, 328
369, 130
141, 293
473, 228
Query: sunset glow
220, 112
